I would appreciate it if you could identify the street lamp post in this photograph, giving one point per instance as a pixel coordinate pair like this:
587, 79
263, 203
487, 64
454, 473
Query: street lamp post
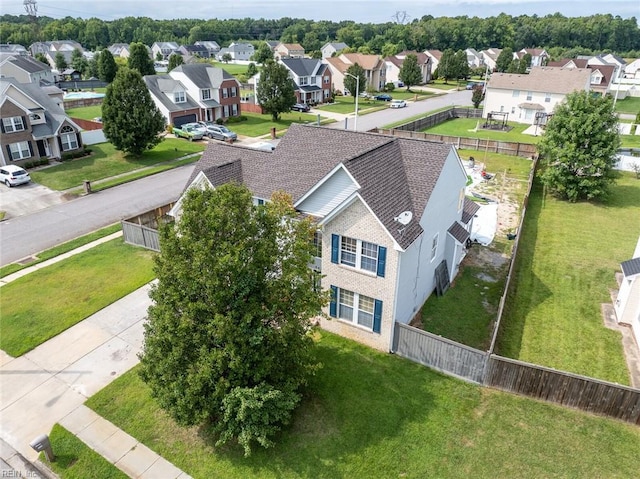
357, 79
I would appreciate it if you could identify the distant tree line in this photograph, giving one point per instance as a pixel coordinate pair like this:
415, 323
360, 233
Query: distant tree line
567, 36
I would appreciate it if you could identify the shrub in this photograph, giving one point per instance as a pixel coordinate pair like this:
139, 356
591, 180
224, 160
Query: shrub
389, 87
236, 119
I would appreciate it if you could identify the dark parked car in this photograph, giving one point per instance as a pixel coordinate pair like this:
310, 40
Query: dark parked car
300, 107
383, 97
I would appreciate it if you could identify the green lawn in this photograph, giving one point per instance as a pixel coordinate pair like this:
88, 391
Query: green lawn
60, 249
631, 105
75, 460
368, 414
106, 161
464, 127
441, 85
566, 263
86, 112
346, 105
232, 68
466, 313
44, 303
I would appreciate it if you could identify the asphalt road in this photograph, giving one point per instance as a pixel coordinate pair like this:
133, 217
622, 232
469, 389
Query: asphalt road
392, 115
24, 236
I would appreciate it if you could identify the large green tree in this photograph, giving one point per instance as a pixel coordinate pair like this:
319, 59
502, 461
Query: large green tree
579, 147
276, 91
360, 80
410, 73
460, 65
61, 62
504, 60
174, 61
262, 54
227, 341
140, 60
130, 119
79, 62
447, 65
107, 67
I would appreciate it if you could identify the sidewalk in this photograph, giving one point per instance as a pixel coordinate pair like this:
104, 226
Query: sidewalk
50, 384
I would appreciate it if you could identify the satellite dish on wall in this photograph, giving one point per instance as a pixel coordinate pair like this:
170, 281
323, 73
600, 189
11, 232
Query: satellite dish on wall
404, 217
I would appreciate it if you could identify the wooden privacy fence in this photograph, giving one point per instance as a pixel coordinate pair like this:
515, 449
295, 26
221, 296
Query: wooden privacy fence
480, 367
142, 230
439, 353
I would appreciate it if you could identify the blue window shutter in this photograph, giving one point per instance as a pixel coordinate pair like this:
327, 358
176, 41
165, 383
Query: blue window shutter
335, 248
377, 316
333, 305
382, 260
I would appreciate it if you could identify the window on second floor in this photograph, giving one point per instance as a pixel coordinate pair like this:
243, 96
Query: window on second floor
225, 93
547, 97
12, 124
179, 97
325, 79
304, 80
234, 92
358, 254
529, 96
206, 94
313, 80
434, 246
516, 93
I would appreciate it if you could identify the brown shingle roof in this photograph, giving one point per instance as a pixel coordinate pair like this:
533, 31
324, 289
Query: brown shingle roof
368, 62
469, 209
395, 174
543, 79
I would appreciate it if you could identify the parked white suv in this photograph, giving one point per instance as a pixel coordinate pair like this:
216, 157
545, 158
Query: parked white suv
12, 175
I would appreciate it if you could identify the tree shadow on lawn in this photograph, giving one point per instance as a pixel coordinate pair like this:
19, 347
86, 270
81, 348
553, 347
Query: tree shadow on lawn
519, 303
356, 405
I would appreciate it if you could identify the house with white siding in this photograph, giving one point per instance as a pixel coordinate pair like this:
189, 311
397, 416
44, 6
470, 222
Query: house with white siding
391, 215
627, 303
527, 98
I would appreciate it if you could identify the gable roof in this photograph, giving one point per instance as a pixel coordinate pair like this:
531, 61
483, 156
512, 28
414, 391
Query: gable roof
437, 54
543, 79
292, 46
302, 66
368, 62
24, 62
204, 75
395, 174
161, 85
337, 46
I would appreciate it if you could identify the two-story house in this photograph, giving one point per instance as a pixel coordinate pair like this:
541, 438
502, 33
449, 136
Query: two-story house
25, 69
191, 52
13, 48
602, 74
489, 57
329, 49
373, 65
391, 217
474, 58
311, 77
539, 56
119, 50
237, 50
33, 124
394, 64
163, 48
211, 46
435, 56
51, 49
288, 50
530, 98
195, 92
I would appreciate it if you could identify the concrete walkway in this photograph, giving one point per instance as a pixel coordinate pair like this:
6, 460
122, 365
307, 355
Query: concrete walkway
50, 384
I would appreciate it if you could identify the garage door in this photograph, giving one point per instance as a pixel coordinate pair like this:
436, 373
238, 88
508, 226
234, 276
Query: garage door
181, 120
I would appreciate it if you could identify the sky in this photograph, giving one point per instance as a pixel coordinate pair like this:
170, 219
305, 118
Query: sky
361, 11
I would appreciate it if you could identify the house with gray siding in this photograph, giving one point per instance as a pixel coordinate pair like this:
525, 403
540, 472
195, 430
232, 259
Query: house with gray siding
390, 212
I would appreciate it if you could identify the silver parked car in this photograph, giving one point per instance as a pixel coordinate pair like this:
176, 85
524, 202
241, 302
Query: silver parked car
218, 132
12, 175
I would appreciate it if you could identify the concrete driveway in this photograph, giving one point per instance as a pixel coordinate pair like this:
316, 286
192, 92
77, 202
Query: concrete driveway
26, 199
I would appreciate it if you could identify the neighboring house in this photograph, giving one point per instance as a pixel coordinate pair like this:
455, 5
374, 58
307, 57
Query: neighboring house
71, 74
539, 57
602, 75
195, 92
632, 70
25, 69
33, 125
288, 50
627, 303
238, 51
312, 79
330, 49
532, 97
393, 65
272, 44
211, 46
191, 52
474, 58
374, 69
164, 48
51, 49
119, 50
490, 56
435, 56
390, 212
13, 48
